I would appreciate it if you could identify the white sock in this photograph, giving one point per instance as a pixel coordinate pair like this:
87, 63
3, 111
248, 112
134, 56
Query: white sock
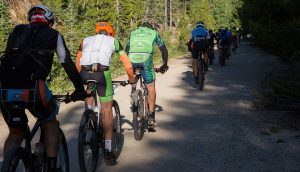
108, 145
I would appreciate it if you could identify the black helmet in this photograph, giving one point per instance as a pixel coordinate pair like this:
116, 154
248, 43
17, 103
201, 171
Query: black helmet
145, 24
43, 10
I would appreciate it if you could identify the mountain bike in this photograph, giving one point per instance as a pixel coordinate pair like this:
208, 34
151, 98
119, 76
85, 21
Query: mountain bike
91, 141
139, 105
200, 71
234, 44
211, 55
223, 55
26, 159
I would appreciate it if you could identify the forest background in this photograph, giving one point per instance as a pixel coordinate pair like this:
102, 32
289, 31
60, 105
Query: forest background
274, 24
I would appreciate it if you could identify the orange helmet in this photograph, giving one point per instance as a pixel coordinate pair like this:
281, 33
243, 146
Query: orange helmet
106, 27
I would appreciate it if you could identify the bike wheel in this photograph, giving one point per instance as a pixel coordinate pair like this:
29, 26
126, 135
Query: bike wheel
222, 60
16, 160
63, 154
200, 67
118, 136
89, 153
138, 115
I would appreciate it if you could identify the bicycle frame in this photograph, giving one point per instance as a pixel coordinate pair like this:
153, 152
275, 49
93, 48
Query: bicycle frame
143, 86
92, 86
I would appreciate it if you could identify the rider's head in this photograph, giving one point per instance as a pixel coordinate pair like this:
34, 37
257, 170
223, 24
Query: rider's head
210, 31
146, 24
233, 28
41, 14
105, 28
199, 24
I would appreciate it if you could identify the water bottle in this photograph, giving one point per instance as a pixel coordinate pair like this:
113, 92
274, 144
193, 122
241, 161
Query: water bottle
96, 109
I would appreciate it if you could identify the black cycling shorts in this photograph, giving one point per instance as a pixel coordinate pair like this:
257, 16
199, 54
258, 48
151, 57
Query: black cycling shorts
199, 47
104, 89
33, 95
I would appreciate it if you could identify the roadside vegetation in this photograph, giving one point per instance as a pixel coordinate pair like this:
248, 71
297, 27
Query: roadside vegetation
275, 26
76, 19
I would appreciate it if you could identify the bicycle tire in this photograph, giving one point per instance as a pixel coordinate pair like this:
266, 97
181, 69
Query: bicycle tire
63, 154
86, 127
118, 136
12, 161
200, 74
138, 115
222, 60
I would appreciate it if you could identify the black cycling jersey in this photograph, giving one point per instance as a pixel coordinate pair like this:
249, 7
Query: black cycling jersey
29, 54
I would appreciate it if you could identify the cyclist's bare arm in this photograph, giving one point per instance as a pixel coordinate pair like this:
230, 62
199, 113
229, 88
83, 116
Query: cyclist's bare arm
67, 63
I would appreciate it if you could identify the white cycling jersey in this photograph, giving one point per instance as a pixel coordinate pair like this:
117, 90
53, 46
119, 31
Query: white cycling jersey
97, 49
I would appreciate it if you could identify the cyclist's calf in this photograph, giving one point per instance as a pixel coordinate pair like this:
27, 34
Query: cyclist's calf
51, 129
14, 139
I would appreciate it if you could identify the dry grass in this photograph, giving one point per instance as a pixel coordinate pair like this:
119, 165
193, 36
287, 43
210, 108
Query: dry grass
19, 9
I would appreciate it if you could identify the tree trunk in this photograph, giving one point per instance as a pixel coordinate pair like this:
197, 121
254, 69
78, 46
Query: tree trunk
166, 14
171, 14
117, 22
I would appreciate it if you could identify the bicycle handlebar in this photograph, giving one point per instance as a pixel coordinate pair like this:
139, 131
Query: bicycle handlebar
63, 98
67, 98
123, 83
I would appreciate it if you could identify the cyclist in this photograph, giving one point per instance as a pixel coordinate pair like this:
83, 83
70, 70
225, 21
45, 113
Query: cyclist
211, 54
239, 35
223, 43
140, 49
24, 69
218, 35
93, 60
199, 43
234, 38
228, 35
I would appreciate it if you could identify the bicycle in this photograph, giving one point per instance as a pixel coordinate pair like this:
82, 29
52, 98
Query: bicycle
139, 105
200, 71
223, 52
91, 141
235, 44
23, 158
211, 55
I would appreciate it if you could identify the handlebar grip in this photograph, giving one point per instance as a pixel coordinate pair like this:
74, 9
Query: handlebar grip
161, 71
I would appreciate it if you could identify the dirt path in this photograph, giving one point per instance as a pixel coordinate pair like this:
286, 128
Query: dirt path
210, 130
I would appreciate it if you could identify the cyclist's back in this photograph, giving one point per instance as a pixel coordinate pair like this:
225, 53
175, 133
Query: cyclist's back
41, 47
224, 39
141, 44
95, 52
199, 37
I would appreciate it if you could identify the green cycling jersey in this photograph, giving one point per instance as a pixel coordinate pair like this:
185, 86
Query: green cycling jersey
141, 44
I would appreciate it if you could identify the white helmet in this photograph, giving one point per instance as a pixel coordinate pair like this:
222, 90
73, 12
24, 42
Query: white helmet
46, 12
200, 24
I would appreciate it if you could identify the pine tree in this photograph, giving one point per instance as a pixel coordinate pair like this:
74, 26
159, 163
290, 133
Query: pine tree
5, 25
